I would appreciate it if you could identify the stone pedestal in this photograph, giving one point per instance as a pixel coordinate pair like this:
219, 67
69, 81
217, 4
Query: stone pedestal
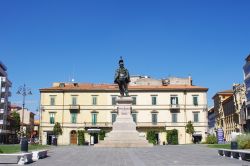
124, 132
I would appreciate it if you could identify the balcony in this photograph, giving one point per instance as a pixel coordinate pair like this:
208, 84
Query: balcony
3, 79
98, 124
174, 106
1, 122
150, 124
74, 107
3, 90
2, 100
5, 131
1, 111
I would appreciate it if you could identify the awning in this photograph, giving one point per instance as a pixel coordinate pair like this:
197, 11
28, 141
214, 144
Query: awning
197, 133
93, 130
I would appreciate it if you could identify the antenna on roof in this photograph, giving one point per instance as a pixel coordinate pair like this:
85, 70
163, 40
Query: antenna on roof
72, 79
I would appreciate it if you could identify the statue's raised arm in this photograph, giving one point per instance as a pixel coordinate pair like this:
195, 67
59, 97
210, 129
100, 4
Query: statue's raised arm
122, 78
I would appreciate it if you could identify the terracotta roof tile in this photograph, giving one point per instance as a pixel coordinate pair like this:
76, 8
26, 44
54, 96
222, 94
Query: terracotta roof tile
114, 87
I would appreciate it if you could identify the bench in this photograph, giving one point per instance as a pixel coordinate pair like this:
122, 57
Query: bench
22, 158
239, 154
39, 154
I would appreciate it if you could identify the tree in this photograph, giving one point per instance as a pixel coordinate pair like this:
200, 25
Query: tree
57, 130
15, 121
172, 137
189, 128
102, 135
151, 137
81, 137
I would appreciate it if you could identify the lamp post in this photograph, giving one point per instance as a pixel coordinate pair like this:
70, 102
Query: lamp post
24, 91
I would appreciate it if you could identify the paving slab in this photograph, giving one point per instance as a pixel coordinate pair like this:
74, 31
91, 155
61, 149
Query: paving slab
155, 156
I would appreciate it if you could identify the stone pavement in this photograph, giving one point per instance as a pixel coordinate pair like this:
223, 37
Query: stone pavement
156, 156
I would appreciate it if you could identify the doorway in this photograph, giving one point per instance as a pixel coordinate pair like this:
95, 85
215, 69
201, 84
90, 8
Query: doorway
73, 137
49, 137
93, 138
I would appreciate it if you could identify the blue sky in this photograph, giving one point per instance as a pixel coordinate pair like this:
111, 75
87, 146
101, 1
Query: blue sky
50, 41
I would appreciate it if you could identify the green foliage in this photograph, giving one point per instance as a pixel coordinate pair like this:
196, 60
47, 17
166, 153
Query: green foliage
189, 128
81, 137
211, 139
151, 137
244, 141
172, 137
57, 130
1, 151
16, 121
101, 135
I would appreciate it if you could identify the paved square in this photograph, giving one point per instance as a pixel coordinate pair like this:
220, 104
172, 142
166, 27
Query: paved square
156, 156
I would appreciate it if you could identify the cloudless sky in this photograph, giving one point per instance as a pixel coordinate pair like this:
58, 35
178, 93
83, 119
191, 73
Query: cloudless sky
46, 41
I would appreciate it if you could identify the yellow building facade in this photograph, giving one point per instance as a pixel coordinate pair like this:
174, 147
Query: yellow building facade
92, 107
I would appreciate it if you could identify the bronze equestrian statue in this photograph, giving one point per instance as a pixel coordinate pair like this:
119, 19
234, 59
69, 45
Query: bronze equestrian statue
122, 78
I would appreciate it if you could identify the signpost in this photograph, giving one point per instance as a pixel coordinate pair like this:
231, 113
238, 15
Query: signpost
220, 136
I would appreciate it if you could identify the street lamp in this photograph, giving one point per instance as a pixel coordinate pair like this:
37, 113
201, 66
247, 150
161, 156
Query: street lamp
24, 91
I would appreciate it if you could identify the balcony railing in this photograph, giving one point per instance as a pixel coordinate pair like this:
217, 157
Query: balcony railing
98, 124
174, 106
150, 124
74, 107
3, 89
3, 79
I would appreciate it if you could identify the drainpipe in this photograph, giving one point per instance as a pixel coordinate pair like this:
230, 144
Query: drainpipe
63, 115
185, 114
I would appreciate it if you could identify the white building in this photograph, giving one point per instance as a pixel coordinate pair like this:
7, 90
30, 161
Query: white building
5, 85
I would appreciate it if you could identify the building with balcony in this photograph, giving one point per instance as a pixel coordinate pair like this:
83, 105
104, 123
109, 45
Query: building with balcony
5, 85
246, 69
156, 106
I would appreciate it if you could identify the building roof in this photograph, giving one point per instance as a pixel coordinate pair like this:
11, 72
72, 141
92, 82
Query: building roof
114, 87
225, 92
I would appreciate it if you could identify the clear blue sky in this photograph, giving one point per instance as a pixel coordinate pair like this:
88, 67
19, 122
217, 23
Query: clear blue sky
50, 41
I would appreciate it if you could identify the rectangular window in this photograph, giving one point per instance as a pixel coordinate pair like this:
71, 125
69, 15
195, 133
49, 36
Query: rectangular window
74, 100
113, 100
113, 117
134, 100
154, 100
174, 117
195, 100
196, 117
154, 118
73, 117
94, 100
174, 100
52, 100
52, 118
94, 118
134, 115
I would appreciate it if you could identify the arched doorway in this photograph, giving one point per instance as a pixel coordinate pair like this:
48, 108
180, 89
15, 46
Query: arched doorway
73, 137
